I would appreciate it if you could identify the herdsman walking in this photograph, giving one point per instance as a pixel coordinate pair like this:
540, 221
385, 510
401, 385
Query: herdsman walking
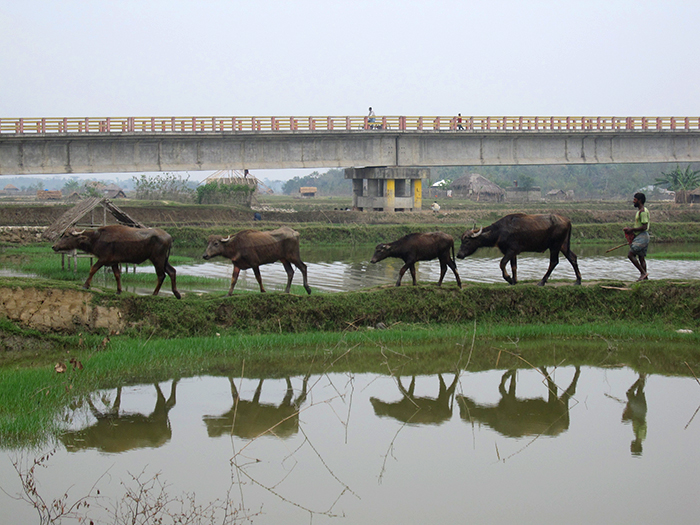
640, 243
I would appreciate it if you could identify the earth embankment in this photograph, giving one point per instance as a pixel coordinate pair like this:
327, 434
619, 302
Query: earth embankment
68, 310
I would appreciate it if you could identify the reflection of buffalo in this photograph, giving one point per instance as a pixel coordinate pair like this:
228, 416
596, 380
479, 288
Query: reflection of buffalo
418, 410
515, 417
115, 432
250, 419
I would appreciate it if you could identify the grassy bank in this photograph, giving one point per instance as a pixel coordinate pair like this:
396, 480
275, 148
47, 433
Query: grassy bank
673, 304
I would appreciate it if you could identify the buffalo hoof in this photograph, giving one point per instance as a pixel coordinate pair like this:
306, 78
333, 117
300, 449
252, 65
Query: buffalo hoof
541, 283
177, 295
578, 283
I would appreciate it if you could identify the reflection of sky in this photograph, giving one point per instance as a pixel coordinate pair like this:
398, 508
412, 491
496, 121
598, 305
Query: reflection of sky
455, 471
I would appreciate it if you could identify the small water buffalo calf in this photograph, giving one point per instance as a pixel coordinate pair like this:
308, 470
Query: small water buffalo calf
517, 233
117, 244
252, 248
420, 247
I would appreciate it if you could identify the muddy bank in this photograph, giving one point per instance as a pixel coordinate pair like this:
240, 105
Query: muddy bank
54, 310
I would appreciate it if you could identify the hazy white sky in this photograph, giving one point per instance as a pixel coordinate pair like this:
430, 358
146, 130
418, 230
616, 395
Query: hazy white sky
100, 58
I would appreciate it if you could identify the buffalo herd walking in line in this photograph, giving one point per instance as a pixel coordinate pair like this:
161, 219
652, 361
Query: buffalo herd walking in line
512, 234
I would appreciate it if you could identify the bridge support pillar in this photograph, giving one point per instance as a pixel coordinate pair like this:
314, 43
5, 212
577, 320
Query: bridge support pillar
387, 188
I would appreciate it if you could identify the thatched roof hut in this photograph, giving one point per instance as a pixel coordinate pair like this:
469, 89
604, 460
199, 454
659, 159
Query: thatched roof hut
477, 188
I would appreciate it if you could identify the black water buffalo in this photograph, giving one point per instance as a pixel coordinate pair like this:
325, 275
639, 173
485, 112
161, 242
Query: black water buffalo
420, 247
117, 244
517, 233
252, 248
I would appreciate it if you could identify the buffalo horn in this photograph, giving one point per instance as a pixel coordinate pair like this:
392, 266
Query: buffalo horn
77, 233
226, 239
478, 233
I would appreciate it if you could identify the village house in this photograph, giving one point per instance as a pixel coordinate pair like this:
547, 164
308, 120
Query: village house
477, 188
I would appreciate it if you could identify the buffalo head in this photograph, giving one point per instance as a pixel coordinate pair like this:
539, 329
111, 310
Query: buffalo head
471, 241
381, 252
70, 240
216, 246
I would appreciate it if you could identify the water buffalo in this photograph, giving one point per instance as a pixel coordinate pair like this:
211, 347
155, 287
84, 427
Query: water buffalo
117, 244
517, 233
420, 247
252, 248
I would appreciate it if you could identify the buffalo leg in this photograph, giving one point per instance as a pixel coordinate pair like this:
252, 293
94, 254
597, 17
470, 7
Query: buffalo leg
553, 261
258, 277
444, 263
571, 257
234, 278
443, 270
172, 273
290, 274
413, 273
93, 271
302, 268
160, 273
453, 267
117, 276
513, 266
401, 272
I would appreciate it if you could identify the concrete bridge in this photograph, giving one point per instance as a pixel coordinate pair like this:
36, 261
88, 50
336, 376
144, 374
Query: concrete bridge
141, 144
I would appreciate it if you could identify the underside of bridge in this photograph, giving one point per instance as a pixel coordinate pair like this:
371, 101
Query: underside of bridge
387, 188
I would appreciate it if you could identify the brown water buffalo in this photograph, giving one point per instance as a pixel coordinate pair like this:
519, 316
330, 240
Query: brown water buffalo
420, 247
513, 417
117, 244
517, 233
252, 248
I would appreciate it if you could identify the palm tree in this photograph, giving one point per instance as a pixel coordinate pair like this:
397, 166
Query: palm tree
680, 181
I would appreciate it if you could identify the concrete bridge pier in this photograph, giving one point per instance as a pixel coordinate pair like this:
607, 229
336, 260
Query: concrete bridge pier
387, 188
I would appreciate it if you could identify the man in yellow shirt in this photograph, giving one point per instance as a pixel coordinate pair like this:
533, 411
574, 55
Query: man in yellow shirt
640, 243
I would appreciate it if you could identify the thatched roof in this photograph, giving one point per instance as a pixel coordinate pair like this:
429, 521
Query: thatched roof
77, 212
475, 183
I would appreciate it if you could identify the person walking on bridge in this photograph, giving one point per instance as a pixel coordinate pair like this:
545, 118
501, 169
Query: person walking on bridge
640, 230
371, 118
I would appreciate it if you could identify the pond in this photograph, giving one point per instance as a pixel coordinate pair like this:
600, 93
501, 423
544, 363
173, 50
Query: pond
566, 445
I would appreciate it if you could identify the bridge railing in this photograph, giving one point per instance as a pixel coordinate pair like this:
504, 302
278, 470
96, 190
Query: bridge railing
119, 125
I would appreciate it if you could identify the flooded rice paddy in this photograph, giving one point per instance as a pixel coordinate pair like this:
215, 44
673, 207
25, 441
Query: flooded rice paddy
571, 445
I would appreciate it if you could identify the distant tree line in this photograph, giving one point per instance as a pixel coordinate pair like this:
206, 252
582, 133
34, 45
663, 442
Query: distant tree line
332, 182
590, 181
